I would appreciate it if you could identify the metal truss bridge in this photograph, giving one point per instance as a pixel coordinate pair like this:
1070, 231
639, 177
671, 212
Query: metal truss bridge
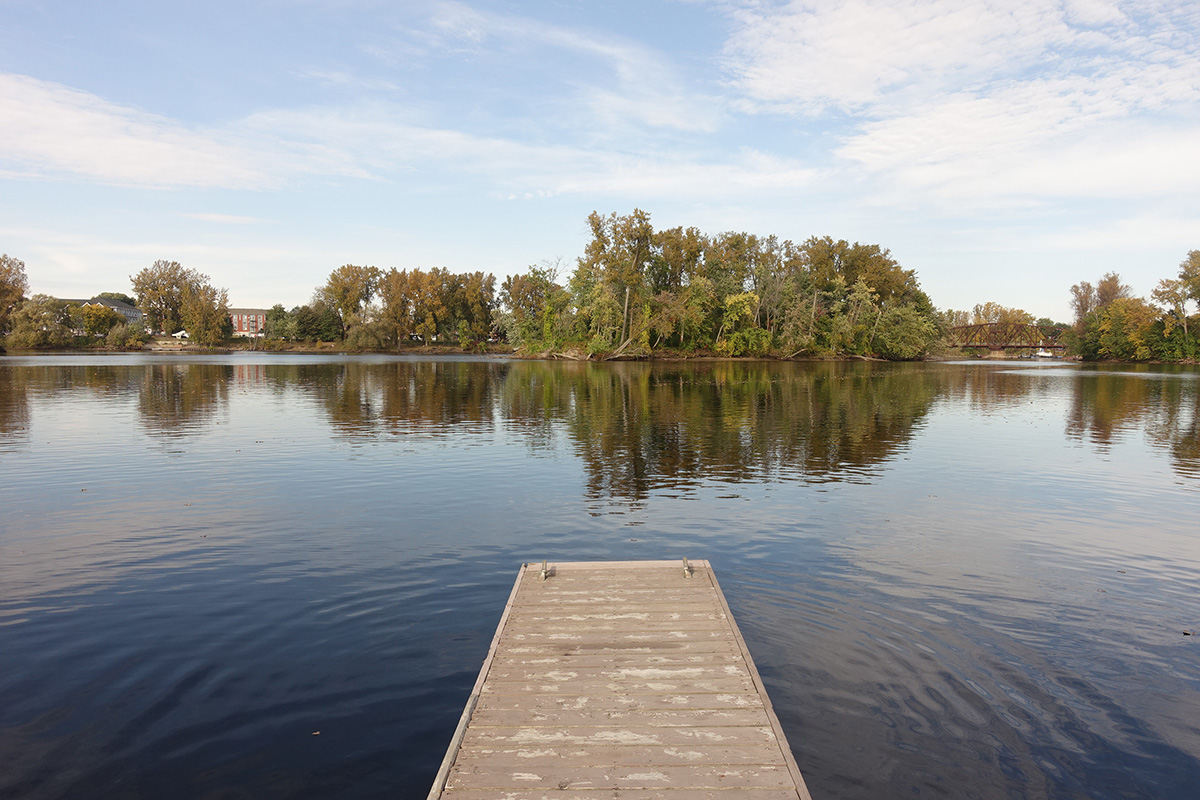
1006, 336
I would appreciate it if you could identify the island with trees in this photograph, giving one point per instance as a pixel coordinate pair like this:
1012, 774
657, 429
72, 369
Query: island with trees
635, 292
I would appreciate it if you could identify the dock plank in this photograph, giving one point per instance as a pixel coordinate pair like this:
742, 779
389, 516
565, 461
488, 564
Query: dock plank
618, 679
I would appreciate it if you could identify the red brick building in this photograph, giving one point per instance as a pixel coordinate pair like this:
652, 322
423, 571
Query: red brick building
248, 321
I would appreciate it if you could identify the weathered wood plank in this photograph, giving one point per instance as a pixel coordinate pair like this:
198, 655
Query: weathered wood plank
630, 794
582, 661
574, 672
631, 635
647, 611
598, 717
633, 734
583, 778
664, 686
621, 702
621, 679
621, 755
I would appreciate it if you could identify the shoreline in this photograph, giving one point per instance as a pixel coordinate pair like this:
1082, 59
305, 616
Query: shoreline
507, 352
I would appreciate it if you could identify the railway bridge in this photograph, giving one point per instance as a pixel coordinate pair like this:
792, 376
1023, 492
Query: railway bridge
1005, 337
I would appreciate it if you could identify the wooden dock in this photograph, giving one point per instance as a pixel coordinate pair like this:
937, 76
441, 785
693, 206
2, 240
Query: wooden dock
621, 679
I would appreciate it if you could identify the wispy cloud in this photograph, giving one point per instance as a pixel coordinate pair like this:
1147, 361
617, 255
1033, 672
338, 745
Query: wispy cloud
53, 130
987, 99
641, 86
85, 136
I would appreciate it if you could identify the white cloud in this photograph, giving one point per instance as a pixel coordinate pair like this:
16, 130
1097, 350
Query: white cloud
809, 55
990, 101
53, 130
872, 55
381, 142
643, 87
1050, 138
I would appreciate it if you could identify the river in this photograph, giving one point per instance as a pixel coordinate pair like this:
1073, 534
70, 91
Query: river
269, 576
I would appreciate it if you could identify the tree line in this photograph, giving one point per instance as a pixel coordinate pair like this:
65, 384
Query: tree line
635, 291
1111, 323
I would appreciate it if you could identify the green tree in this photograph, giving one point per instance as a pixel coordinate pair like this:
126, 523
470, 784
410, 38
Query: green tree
276, 324
396, 301
41, 321
428, 303
13, 286
160, 290
827, 259
206, 313
98, 320
126, 337
675, 258
534, 311
1189, 274
610, 277
1173, 295
1083, 302
1126, 329
904, 334
478, 303
348, 289
994, 313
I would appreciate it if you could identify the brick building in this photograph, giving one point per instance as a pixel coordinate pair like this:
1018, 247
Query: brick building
248, 321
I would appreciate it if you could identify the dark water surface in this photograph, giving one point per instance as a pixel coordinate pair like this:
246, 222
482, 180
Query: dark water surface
958, 580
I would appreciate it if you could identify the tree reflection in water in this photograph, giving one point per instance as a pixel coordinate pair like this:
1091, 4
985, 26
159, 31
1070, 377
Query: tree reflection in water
365, 400
641, 428
14, 410
1108, 404
180, 399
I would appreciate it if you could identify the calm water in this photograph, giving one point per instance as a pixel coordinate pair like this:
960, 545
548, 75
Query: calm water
958, 580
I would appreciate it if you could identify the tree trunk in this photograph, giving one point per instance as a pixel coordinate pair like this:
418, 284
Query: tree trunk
625, 316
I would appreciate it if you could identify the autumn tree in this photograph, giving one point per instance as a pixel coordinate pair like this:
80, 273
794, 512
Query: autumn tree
428, 303
396, 303
41, 321
534, 308
1126, 329
13, 286
160, 290
205, 313
98, 320
1189, 274
675, 258
348, 289
827, 259
957, 318
1083, 302
476, 306
1174, 294
994, 313
611, 275
1109, 288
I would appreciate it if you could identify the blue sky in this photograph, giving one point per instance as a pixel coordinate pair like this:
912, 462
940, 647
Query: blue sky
1004, 150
